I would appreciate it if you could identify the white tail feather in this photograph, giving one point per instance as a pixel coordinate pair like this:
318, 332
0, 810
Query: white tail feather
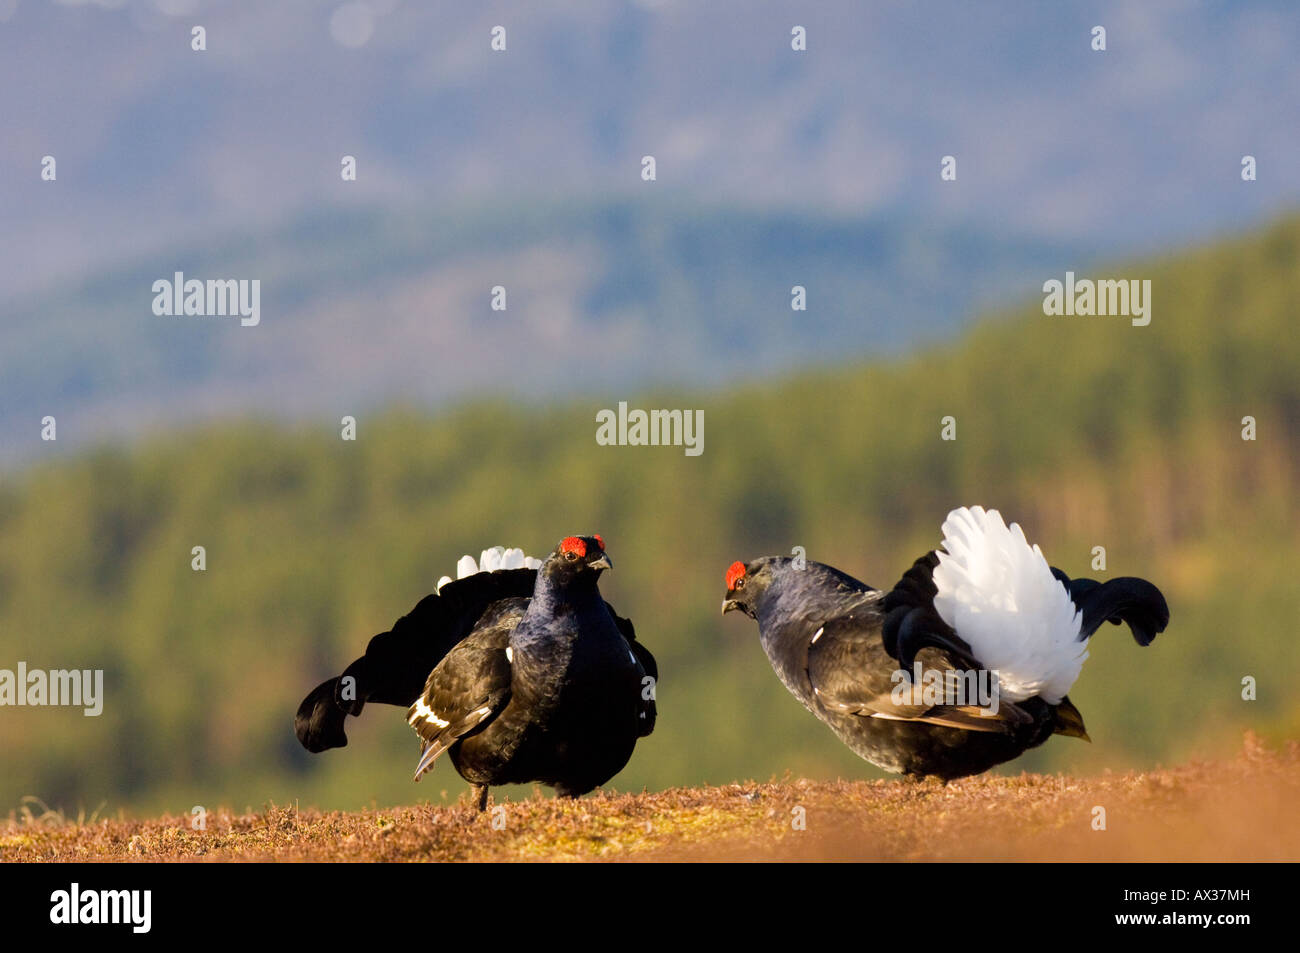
490, 560
998, 592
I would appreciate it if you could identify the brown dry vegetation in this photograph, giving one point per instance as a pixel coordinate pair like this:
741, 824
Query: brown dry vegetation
1236, 810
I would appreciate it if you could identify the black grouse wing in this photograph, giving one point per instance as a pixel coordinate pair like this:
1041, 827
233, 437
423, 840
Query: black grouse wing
397, 663
850, 672
852, 660
469, 687
649, 676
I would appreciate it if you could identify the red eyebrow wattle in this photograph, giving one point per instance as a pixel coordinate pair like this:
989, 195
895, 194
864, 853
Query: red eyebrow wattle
573, 544
734, 572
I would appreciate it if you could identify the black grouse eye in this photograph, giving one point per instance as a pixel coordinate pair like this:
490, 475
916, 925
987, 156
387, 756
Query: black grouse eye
740, 583
570, 556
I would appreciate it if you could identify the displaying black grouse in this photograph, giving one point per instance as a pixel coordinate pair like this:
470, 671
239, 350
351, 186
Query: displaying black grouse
523, 674
963, 665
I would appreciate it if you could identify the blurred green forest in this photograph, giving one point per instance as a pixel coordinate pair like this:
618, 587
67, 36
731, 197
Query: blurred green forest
1087, 431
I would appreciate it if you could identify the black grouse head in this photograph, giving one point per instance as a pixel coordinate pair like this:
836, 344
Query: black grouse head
577, 559
748, 583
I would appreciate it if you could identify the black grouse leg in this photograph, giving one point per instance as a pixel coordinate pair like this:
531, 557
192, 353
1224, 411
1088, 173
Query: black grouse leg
480, 793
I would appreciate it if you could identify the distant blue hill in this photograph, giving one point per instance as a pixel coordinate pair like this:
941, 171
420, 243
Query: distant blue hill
360, 308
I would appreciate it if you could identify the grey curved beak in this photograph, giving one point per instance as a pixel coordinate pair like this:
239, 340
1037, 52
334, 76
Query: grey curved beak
728, 605
601, 563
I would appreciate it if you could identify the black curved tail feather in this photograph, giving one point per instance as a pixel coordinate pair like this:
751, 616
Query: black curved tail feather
923, 628
319, 722
1125, 599
911, 622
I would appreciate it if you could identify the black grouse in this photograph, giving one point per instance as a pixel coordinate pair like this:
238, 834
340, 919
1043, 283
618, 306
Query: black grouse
523, 673
963, 665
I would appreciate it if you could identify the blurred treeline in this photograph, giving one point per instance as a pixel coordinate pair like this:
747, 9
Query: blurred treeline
1088, 431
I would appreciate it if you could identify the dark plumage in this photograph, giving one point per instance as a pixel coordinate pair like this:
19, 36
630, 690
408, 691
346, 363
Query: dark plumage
523, 675
836, 644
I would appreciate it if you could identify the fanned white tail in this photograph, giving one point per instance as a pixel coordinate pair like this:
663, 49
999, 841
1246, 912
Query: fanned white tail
998, 592
490, 560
